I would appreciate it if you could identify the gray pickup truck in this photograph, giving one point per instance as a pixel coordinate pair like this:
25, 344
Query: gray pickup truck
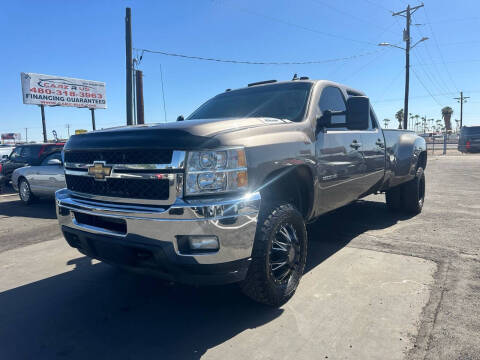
224, 195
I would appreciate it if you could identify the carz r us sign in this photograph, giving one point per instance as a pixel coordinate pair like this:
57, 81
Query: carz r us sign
48, 90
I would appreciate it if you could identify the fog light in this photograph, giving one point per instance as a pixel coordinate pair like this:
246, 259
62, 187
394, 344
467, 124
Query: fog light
202, 242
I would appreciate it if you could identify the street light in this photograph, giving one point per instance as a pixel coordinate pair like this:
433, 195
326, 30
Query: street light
419, 41
407, 67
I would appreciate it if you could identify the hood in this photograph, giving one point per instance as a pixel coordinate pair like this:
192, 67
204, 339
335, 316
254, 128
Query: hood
182, 135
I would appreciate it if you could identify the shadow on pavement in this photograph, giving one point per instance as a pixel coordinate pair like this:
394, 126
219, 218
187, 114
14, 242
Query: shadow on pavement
333, 231
97, 311
40, 209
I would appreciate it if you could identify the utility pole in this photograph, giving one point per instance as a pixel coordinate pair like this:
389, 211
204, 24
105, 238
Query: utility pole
139, 89
26, 135
407, 13
462, 99
68, 129
44, 126
129, 64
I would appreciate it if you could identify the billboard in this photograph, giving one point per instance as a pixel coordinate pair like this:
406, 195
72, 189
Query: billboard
48, 90
11, 136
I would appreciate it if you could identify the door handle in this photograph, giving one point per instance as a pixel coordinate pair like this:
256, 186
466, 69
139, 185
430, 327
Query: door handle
379, 143
355, 144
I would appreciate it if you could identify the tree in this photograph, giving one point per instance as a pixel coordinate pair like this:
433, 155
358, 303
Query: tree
447, 112
399, 117
424, 124
416, 121
386, 121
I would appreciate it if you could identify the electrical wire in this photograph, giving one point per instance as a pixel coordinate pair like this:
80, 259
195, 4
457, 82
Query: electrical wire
232, 61
438, 47
298, 26
428, 91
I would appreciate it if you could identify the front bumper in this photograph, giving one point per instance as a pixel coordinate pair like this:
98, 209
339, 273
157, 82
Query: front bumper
148, 242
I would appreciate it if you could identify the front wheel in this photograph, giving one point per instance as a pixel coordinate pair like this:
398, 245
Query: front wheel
25, 192
278, 257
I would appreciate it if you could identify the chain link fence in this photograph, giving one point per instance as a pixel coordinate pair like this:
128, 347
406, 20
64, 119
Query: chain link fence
442, 144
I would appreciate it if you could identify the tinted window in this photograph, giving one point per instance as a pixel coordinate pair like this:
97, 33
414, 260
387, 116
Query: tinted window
28, 152
55, 155
332, 99
16, 153
474, 130
281, 101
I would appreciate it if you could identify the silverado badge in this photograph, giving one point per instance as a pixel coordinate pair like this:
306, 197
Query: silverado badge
99, 171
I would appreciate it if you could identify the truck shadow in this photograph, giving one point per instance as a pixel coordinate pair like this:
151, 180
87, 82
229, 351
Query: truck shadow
40, 209
98, 311
333, 231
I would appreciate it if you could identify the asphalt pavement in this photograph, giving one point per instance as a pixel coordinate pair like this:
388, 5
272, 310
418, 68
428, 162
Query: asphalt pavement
377, 286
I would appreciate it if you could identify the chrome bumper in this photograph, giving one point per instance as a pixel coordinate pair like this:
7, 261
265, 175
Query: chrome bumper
232, 221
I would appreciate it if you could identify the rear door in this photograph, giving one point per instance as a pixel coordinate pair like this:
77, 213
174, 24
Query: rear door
340, 164
373, 151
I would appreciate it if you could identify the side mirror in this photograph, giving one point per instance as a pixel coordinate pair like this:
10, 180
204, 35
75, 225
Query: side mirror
358, 113
329, 119
4, 157
180, 118
54, 162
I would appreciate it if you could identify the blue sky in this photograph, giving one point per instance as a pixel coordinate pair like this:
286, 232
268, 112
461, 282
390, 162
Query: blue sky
86, 40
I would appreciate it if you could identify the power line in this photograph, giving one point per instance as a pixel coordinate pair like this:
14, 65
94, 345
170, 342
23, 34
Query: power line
232, 61
428, 91
439, 73
438, 47
371, 22
163, 95
302, 27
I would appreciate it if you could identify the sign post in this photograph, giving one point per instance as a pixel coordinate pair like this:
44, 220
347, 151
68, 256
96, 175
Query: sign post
44, 126
93, 119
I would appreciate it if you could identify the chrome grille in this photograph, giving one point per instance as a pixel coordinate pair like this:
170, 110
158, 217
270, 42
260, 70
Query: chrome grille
154, 189
135, 156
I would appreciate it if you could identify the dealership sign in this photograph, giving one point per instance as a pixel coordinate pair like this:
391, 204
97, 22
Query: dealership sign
51, 90
11, 136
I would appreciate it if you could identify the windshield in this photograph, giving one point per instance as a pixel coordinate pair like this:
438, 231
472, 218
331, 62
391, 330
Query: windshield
281, 101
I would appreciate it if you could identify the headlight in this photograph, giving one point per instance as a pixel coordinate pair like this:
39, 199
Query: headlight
216, 171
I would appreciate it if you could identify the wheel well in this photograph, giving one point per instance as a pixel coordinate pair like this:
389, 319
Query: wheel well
422, 160
293, 185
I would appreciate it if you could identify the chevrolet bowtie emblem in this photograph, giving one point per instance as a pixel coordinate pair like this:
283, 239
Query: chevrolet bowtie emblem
99, 171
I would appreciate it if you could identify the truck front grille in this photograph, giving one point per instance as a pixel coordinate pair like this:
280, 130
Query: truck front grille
154, 156
154, 189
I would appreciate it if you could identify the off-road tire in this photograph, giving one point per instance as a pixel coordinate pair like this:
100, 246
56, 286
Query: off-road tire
413, 193
260, 283
25, 192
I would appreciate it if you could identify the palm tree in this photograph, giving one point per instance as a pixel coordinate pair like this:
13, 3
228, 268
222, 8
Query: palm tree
424, 124
386, 121
399, 117
410, 115
439, 125
416, 121
447, 112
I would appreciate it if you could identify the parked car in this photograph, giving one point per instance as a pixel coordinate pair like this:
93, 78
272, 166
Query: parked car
224, 195
5, 151
469, 140
32, 182
27, 154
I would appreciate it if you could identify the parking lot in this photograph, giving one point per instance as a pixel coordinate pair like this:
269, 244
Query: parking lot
376, 286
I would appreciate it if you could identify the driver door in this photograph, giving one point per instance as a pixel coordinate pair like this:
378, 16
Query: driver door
340, 164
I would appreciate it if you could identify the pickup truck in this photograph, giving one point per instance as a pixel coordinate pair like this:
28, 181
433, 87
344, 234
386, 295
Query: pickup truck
224, 195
